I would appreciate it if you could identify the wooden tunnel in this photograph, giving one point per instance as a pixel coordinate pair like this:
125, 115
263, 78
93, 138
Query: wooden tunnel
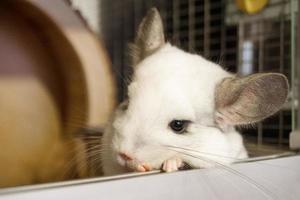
54, 78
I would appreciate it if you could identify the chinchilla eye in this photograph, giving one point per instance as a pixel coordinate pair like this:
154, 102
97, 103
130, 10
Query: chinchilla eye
179, 126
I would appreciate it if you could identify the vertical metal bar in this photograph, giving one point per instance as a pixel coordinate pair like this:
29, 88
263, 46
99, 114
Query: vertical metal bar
295, 74
176, 21
117, 45
162, 6
223, 32
139, 12
122, 9
241, 37
206, 41
260, 69
167, 17
148, 4
293, 45
298, 63
191, 37
281, 65
128, 35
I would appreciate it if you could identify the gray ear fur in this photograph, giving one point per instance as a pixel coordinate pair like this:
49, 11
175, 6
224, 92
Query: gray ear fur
150, 37
250, 99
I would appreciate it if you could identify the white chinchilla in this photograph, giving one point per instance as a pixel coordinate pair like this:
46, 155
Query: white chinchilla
182, 108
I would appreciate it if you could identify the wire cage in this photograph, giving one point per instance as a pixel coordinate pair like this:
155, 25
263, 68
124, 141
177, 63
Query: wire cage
264, 45
219, 31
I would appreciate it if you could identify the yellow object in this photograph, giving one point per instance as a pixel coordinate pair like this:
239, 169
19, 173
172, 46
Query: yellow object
251, 6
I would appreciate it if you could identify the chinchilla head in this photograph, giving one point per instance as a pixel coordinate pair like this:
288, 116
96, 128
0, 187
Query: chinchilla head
180, 102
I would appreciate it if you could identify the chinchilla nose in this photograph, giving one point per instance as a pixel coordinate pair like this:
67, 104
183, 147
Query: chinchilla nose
125, 156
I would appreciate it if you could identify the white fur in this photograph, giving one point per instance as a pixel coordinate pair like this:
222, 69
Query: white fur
170, 84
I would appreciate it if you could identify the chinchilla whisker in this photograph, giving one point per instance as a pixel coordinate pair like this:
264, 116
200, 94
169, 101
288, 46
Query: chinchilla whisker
71, 168
95, 162
202, 152
94, 153
252, 182
249, 180
66, 171
90, 148
93, 141
85, 162
221, 156
239, 159
87, 150
123, 78
91, 138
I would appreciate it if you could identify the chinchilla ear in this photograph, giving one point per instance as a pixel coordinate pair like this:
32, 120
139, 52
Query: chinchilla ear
150, 37
250, 99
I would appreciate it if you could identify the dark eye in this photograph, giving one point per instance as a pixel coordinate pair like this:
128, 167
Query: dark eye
179, 126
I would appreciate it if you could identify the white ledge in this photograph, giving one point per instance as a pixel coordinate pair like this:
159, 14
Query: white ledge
268, 179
